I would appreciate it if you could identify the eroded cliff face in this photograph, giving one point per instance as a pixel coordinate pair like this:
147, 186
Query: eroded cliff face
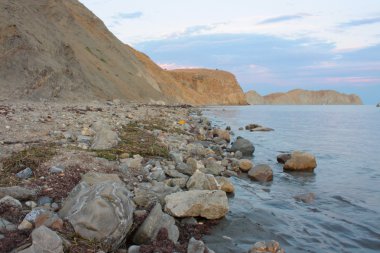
59, 50
304, 97
212, 87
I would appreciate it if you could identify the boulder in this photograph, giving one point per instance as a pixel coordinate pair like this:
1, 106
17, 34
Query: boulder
301, 161
266, 247
261, 173
225, 184
105, 138
282, 158
176, 182
176, 156
102, 211
244, 146
193, 165
202, 181
155, 221
194, 203
44, 241
245, 165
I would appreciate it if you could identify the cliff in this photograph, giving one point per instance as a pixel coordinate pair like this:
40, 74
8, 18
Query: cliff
59, 50
304, 97
211, 87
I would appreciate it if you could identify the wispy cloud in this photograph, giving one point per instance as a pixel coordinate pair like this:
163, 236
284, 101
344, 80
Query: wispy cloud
128, 15
171, 66
284, 18
360, 22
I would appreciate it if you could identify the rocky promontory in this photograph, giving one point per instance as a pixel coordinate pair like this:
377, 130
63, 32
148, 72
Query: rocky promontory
303, 97
60, 51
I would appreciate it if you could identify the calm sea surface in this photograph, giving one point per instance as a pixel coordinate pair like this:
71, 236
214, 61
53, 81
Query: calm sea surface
345, 216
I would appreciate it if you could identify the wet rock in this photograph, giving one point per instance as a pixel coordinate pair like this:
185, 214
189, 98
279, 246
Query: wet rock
257, 128
261, 173
301, 161
18, 192
202, 181
102, 211
207, 204
225, 184
44, 241
306, 197
6, 226
148, 193
155, 221
266, 247
105, 138
12, 202
244, 146
25, 173
245, 165
282, 158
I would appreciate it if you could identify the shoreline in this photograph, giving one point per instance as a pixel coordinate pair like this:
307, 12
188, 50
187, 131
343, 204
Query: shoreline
155, 151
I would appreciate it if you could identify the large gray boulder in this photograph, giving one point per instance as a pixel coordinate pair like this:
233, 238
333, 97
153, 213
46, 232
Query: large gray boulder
301, 161
155, 221
244, 146
203, 203
44, 241
100, 210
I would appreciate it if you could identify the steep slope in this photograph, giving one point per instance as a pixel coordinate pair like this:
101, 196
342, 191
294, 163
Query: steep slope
305, 97
211, 86
59, 49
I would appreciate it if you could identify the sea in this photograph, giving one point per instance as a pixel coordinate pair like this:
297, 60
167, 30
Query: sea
345, 215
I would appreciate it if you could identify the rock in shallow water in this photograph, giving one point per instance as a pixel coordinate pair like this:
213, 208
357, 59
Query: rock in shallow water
245, 165
282, 158
261, 173
203, 203
306, 197
266, 247
301, 161
244, 146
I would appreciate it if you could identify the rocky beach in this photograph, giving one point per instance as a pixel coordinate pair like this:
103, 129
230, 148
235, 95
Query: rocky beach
114, 177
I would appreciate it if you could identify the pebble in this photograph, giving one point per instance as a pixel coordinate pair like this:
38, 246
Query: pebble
57, 169
31, 204
25, 173
25, 225
42, 201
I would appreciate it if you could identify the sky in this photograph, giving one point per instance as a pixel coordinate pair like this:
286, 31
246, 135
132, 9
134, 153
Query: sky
271, 45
